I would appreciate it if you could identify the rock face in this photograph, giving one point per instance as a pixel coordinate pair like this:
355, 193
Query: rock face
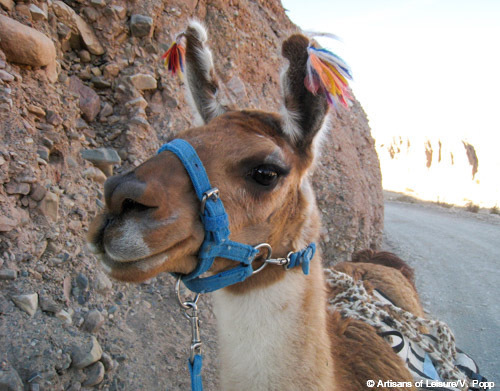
113, 99
348, 187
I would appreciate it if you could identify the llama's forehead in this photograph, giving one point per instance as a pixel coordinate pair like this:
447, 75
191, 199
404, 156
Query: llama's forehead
254, 122
244, 132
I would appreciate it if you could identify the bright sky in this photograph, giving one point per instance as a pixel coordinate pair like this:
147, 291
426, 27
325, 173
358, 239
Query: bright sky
428, 67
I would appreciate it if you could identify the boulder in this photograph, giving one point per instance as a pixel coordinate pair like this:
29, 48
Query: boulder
25, 45
101, 156
69, 17
90, 103
7, 4
17, 188
141, 25
143, 81
95, 375
89, 38
49, 206
7, 224
37, 13
93, 321
10, 379
94, 174
6, 76
83, 356
28, 303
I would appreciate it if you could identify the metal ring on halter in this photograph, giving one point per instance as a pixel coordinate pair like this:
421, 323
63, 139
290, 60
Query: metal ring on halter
268, 256
186, 305
212, 193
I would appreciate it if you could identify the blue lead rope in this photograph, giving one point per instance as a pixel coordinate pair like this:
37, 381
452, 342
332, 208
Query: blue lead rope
216, 242
195, 372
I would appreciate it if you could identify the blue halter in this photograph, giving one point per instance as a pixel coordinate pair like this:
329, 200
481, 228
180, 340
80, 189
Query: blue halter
216, 224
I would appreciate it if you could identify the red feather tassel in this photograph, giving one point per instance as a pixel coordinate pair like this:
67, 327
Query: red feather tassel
174, 58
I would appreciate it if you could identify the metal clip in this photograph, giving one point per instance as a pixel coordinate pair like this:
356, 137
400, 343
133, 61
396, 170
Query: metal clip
212, 194
193, 318
273, 261
281, 261
195, 330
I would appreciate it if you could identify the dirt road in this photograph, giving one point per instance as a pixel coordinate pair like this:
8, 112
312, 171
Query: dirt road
456, 256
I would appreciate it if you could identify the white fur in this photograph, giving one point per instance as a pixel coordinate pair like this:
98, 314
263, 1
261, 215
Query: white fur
319, 139
200, 29
129, 245
290, 124
204, 61
290, 118
198, 120
255, 334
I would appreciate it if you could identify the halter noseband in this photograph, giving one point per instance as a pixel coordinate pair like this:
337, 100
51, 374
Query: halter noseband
216, 225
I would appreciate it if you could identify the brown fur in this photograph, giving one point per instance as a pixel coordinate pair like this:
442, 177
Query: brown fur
391, 282
361, 355
387, 259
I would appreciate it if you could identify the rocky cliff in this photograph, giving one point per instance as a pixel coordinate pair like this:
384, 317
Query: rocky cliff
83, 93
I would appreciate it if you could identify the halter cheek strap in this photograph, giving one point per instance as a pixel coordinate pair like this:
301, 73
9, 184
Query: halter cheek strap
216, 224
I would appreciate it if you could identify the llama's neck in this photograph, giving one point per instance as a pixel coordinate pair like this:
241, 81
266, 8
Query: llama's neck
275, 338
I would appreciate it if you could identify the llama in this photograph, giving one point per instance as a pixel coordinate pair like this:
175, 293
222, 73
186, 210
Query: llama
276, 331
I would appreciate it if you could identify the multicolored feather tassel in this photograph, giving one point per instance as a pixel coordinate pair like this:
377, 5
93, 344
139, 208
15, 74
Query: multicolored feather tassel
327, 73
174, 58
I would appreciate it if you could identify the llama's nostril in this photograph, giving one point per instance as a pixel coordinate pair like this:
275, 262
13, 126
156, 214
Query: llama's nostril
125, 193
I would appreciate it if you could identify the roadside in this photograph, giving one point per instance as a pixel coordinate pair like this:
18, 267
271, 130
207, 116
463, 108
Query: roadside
455, 254
493, 212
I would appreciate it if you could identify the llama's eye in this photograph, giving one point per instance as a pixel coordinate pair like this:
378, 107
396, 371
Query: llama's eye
265, 175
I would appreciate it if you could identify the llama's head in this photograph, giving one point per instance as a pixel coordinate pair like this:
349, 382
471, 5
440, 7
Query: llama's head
258, 160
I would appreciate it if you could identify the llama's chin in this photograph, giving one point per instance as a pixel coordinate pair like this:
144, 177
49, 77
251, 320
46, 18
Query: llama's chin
134, 271
139, 270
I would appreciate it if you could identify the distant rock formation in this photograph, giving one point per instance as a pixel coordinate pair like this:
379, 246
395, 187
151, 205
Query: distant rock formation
433, 168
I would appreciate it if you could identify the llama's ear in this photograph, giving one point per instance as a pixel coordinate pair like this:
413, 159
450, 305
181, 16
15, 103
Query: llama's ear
303, 112
201, 84
314, 79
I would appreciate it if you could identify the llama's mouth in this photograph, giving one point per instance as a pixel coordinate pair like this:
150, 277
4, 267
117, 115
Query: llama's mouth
145, 264
138, 270
124, 254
